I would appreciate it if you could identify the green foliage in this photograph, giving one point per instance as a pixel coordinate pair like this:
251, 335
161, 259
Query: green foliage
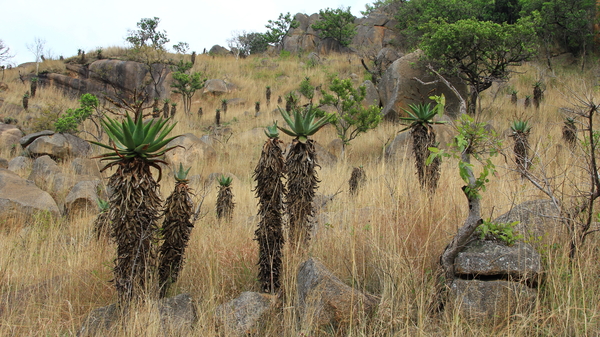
277, 29
423, 114
72, 118
181, 47
248, 43
337, 24
271, 131
351, 117
369, 8
148, 35
181, 174
104, 205
225, 181
303, 124
504, 232
186, 83
521, 126
478, 52
135, 139
567, 22
472, 140
306, 89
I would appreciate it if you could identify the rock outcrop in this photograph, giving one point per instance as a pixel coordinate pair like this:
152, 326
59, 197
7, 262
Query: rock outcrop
112, 77
190, 150
242, 315
494, 281
9, 135
55, 145
20, 198
324, 300
536, 218
398, 87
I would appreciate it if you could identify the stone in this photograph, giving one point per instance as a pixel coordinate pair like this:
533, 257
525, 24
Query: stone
86, 166
372, 95
177, 315
82, 198
190, 150
491, 300
398, 88
28, 139
20, 197
489, 258
9, 135
324, 300
215, 87
19, 163
324, 157
242, 315
335, 147
218, 50
59, 146
536, 218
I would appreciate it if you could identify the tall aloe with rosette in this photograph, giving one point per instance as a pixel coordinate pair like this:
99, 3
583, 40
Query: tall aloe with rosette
134, 147
301, 162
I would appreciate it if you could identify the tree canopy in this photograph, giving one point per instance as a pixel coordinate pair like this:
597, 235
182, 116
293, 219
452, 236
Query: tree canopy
278, 29
337, 24
479, 52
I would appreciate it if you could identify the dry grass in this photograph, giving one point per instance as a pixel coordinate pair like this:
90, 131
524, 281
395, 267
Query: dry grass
386, 240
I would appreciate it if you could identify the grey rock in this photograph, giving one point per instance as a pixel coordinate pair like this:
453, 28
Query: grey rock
372, 97
218, 50
536, 218
177, 314
85, 166
488, 258
324, 300
190, 150
242, 315
215, 87
9, 135
20, 197
82, 198
398, 88
28, 139
19, 163
491, 300
335, 147
324, 157
58, 145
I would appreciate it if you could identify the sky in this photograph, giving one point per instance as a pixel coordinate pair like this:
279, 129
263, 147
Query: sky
69, 25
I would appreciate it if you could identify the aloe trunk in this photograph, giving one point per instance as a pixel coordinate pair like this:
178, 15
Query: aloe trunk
269, 234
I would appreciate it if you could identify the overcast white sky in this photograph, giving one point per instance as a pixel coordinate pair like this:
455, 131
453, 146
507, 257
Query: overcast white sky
69, 25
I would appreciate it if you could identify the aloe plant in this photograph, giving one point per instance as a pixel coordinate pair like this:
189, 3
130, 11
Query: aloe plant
134, 148
520, 132
270, 189
569, 131
225, 204
176, 230
420, 121
301, 161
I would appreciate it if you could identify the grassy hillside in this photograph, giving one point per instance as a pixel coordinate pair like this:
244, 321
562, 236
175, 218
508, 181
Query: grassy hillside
386, 241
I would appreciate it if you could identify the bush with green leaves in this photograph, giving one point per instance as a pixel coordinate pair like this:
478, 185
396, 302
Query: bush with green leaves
278, 29
72, 118
186, 83
350, 118
337, 24
504, 232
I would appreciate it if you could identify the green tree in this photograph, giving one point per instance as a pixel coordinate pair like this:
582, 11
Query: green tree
148, 35
244, 44
479, 52
278, 29
566, 22
351, 118
337, 24
72, 118
186, 84
149, 46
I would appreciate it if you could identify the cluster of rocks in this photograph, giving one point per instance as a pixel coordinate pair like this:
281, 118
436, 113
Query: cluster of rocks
323, 301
